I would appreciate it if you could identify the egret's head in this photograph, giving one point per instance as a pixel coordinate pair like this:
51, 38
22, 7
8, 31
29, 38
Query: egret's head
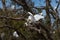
41, 13
30, 13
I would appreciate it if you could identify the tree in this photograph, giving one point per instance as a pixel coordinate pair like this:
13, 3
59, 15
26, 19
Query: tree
13, 20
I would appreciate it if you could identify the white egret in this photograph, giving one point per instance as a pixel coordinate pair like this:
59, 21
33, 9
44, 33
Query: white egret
15, 34
34, 18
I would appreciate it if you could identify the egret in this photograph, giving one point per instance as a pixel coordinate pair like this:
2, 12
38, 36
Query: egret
33, 18
15, 34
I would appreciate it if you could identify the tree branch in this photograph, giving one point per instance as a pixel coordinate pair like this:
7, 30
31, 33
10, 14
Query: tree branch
19, 33
11, 18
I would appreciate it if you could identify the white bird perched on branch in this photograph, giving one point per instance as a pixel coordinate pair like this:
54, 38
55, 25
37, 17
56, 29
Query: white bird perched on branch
34, 18
15, 34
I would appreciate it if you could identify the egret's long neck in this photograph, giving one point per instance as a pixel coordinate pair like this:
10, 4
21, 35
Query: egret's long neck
30, 13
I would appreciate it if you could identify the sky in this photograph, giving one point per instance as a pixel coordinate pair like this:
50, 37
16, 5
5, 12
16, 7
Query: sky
37, 3
42, 3
0, 4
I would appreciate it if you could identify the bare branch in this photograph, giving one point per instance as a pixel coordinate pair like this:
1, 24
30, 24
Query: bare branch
58, 5
19, 33
21, 18
24, 4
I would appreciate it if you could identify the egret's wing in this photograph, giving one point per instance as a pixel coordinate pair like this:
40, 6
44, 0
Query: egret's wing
38, 17
31, 19
41, 17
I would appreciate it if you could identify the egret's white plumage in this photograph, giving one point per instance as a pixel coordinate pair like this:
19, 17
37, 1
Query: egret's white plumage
38, 17
15, 34
33, 18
